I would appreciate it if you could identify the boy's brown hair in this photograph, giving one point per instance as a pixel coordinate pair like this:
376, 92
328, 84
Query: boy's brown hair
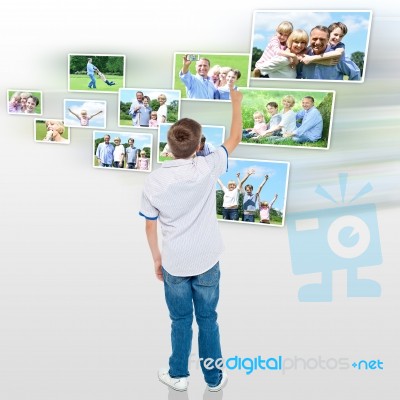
184, 137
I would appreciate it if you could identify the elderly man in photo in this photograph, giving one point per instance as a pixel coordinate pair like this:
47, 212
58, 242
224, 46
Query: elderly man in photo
134, 110
319, 45
105, 153
310, 129
198, 86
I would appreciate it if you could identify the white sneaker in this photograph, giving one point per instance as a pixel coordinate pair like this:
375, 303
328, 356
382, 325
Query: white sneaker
221, 385
179, 384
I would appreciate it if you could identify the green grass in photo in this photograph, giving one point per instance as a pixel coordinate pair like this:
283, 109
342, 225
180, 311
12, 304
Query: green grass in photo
38, 108
240, 62
256, 100
80, 82
41, 131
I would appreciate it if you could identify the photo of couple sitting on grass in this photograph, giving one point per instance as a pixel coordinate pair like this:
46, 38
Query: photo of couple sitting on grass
287, 117
253, 191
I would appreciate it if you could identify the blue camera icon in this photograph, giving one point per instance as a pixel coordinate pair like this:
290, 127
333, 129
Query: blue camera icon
342, 238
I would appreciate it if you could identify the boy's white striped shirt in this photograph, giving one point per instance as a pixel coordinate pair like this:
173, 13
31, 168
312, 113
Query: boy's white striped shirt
182, 195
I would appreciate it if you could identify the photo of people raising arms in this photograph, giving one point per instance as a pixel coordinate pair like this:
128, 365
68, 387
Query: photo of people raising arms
253, 191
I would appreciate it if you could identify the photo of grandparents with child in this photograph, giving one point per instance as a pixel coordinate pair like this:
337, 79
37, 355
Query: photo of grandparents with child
208, 76
148, 108
253, 191
212, 137
24, 102
318, 45
122, 151
287, 117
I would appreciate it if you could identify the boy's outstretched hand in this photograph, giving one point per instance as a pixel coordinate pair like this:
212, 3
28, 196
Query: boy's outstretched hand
236, 96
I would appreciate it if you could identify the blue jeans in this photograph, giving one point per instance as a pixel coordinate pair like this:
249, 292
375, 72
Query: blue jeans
92, 83
181, 294
230, 213
248, 218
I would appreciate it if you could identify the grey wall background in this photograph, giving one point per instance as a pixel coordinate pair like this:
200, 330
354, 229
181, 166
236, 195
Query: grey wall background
82, 316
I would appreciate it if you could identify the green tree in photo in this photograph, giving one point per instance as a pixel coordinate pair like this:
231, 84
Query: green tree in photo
358, 58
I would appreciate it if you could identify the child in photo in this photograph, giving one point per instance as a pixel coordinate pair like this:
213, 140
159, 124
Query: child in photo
274, 120
143, 161
275, 47
265, 209
288, 120
83, 117
14, 104
231, 77
285, 66
213, 74
104, 79
144, 112
31, 103
190, 274
259, 127
153, 123
250, 199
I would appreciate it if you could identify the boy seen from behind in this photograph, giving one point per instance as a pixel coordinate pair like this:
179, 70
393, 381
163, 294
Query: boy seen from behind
181, 196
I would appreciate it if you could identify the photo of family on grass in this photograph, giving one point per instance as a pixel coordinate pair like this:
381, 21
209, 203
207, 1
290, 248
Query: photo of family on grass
285, 117
317, 45
212, 137
122, 151
208, 76
100, 73
253, 191
148, 108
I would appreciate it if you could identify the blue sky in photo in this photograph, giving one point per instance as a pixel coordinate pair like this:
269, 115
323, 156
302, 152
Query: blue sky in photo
277, 181
91, 107
127, 95
266, 22
214, 134
141, 140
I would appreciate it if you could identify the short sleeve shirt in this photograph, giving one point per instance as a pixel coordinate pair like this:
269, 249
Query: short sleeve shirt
182, 195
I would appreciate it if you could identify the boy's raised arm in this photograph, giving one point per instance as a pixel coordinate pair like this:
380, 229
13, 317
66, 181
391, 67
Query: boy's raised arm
235, 135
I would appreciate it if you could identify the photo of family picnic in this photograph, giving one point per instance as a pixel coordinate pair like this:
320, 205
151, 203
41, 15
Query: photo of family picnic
85, 113
148, 108
208, 76
122, 151
211, 138
284, 117
253, 191
317, 45
101, 73
51, 131
24, 102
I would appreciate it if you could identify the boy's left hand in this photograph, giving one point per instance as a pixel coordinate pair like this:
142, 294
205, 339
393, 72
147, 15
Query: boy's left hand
158, 270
